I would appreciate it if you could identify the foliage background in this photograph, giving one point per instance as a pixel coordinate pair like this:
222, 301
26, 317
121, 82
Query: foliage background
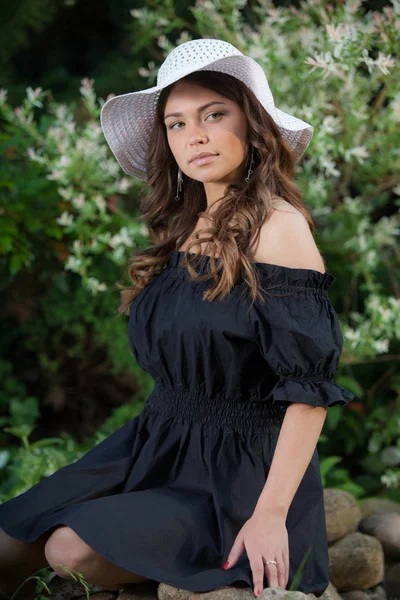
69, 216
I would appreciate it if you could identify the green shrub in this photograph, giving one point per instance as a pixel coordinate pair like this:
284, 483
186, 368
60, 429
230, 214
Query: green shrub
69, 223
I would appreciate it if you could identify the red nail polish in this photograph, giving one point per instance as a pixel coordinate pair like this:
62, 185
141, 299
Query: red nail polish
226, 564
258, 592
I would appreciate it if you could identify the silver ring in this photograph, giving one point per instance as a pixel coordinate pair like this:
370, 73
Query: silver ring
270, 562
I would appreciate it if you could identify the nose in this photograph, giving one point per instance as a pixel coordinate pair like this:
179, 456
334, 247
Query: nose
197, 134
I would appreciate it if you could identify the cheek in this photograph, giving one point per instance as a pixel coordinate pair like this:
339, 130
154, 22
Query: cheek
233, 148
175, 149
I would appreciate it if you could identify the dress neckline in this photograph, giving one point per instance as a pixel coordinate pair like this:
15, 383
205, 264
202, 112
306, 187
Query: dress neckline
276, 273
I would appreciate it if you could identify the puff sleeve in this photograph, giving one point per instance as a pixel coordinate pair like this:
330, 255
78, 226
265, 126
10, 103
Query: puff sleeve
298, 334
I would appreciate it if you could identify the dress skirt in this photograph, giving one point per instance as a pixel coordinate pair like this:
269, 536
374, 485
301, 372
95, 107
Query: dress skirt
166, 494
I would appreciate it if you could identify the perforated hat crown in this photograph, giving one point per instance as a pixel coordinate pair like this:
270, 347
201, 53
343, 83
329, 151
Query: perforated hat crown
127, 120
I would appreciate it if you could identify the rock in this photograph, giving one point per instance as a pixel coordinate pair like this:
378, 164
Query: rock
330, 593
356, 562
356, 595
342, 513
392, 582
277, 593
140, 591
226, 593
68, 589
386, 528
168, 592
378, 593
371, 506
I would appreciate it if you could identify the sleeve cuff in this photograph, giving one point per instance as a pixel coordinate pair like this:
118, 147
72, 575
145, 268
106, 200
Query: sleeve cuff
308, 391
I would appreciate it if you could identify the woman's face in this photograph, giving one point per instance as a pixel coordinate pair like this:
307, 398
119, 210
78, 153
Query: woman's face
219, 129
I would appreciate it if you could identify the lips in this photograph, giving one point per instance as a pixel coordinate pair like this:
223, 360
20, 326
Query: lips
201, 155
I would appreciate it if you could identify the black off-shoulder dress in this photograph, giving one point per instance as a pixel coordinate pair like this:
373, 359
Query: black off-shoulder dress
165, 495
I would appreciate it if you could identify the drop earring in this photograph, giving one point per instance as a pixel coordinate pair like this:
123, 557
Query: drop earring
250, 171
179, 188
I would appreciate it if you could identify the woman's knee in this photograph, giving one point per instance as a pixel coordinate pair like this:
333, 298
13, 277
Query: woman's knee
65, 547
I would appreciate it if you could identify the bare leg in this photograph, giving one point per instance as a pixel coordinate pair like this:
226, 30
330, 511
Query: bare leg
65, 547
19, 560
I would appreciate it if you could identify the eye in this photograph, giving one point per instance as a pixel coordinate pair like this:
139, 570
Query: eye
216, 113
210, 115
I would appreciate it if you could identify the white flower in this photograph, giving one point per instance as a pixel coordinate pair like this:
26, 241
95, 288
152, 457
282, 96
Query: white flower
359, 152
78, 201
100, 202
86, 88
337, 33
163, 42
124, 185
65, 193
55, 175
383, 62
31, 152
353, 205
64, 161
151, 72
183, 38
3, 96
121, 239
69, 127
329, 166
371, 258
34, 96
137, 13
55, 132
325, 62
73, 264
22, 118
331, 124
94, 285
391, 478
118, 253
65, 219
163, 22
396, 189
95, 131
353, 335
352, 6
61, 112
77, 245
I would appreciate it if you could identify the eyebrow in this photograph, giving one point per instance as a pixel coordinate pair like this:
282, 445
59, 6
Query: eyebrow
179, 114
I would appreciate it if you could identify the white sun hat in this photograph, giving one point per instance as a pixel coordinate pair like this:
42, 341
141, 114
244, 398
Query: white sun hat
127, 120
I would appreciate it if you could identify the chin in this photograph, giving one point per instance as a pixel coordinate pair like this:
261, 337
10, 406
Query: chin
213, 178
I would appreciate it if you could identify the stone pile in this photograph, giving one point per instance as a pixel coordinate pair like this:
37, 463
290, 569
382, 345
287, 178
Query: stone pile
364, 561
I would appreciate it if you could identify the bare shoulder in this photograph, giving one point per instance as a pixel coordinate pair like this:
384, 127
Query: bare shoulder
286, 240
279, 204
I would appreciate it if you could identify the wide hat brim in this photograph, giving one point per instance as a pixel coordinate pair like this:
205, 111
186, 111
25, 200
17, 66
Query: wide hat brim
127, 120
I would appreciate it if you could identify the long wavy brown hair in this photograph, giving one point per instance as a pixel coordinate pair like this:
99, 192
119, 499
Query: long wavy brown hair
235, 224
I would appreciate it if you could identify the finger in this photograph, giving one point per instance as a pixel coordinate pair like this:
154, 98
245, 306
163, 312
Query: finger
271, 574
235, 553
285, 560
281, 572
257, 570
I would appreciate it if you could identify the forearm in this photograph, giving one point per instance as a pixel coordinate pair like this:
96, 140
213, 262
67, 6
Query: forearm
296, 443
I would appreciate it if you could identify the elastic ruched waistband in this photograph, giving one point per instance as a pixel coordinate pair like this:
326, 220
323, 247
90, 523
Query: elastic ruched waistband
196, 406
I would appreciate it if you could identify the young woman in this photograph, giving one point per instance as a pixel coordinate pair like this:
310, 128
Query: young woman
217, 481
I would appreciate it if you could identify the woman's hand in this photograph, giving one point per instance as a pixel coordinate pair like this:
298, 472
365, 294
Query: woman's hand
264, 537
